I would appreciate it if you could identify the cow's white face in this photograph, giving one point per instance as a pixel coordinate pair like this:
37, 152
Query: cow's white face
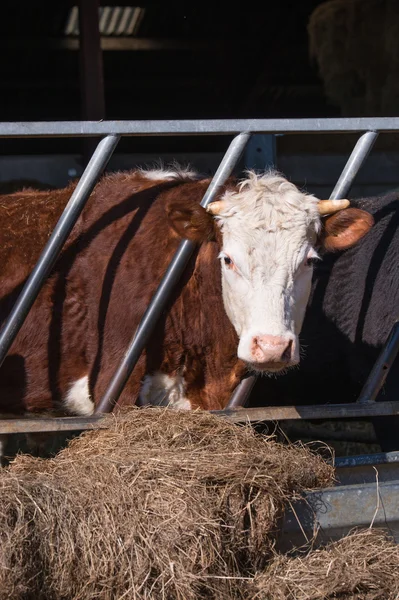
268, 230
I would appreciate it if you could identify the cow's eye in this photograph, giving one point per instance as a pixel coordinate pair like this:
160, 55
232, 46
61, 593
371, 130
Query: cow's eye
225, 258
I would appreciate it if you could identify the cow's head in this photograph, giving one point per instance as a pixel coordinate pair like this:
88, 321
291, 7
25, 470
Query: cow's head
270, 237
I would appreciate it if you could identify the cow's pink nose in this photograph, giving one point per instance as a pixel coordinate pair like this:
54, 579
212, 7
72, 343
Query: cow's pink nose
271, 349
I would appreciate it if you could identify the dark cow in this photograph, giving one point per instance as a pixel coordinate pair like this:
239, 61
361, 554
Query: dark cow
353, 305
240, 304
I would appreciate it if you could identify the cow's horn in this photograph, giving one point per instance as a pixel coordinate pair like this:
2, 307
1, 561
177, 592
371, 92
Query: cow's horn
216, 207
327, 207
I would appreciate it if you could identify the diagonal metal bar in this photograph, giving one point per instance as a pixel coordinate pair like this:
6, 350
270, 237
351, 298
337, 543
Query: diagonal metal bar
354, 163
167, 284
356, 160
241, 394
54, 246
381, 368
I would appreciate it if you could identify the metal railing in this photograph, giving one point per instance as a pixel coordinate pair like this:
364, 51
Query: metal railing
242, 130
197, 127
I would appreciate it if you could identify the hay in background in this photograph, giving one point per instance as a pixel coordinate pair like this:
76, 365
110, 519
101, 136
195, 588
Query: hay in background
361, 566
356, 46
161, 505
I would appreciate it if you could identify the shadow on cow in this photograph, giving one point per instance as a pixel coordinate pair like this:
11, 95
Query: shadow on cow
353, 305
240, 305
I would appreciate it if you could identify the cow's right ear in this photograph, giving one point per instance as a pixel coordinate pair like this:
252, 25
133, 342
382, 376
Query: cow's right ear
345, 228
191, 221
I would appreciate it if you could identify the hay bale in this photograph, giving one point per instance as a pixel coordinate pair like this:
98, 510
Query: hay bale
356, 47
163, 504
361, 566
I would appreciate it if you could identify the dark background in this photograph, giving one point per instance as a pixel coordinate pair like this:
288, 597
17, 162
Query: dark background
201, 61
183, 60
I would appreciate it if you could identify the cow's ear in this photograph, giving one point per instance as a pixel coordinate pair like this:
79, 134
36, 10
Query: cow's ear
345, 228
191, 221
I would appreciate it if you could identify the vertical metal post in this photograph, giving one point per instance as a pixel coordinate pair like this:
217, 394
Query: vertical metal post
167, 284
91, 61
354, 163
260, 152
53, 247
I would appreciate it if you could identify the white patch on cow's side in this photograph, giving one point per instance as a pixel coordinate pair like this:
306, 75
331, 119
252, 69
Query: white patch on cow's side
268, 228
174, 171
77, 400
162, 390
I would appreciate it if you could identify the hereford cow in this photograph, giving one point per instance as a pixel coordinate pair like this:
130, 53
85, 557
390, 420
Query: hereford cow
353, 305
240, 304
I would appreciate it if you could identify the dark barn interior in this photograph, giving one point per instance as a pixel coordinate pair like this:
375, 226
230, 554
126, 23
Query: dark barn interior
180, 60
175, 60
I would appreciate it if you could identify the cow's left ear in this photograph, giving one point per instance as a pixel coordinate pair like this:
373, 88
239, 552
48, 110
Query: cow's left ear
191, 221
345, 228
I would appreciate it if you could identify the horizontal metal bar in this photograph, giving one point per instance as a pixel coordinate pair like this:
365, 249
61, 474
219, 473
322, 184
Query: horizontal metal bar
333, 512
351, 470
241, 415
367, 474
380, 458
322, 411
196, 127
54, 245
51, 424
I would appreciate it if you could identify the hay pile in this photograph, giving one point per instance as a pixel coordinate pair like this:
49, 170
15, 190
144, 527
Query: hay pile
356, 47
362, 566
161, 505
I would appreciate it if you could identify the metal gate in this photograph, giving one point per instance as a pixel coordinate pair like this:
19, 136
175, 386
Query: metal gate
242, 129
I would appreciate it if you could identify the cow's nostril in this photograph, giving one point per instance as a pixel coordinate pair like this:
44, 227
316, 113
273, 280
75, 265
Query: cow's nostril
287, 352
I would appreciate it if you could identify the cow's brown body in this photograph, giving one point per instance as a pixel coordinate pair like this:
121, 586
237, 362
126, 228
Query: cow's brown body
89, 308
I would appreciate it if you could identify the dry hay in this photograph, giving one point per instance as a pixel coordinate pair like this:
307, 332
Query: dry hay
163, 505
361, 566
356, 46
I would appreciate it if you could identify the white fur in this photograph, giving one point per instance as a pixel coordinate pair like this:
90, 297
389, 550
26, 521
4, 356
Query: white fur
269, 228
174, 171
162, 390
77, 400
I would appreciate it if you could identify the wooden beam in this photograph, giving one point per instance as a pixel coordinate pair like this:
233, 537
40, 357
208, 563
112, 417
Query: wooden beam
91, 69
91, 63
125, 44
